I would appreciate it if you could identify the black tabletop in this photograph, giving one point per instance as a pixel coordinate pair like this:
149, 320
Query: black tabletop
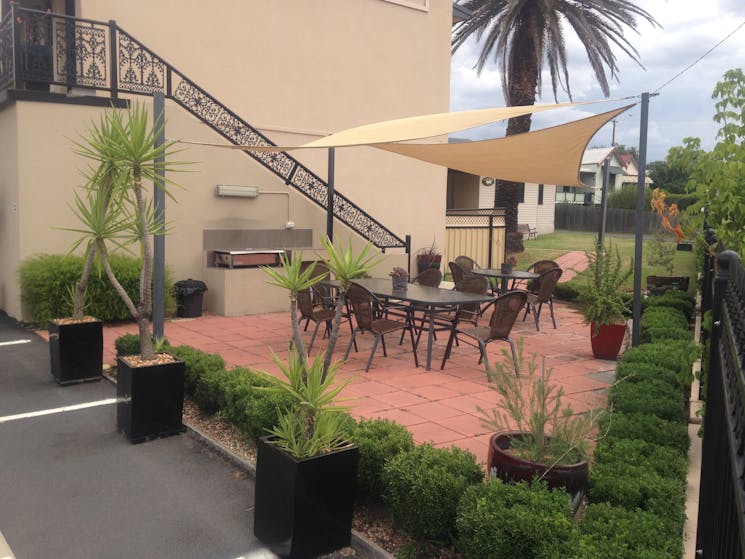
428, 296
497, 273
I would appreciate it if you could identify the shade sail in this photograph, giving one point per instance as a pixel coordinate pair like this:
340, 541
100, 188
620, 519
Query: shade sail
548, 156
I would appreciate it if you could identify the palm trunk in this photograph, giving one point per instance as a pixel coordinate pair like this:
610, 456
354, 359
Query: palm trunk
523, 82
114, 281
297, 339
334, 336
82, 284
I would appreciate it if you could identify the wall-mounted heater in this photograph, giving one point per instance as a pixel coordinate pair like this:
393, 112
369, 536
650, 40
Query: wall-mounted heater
236, 191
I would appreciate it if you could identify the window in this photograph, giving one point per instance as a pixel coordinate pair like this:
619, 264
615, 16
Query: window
520, 193
567, 189
540, 194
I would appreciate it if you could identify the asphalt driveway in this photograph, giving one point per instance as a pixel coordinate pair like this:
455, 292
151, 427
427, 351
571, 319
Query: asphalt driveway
72, 487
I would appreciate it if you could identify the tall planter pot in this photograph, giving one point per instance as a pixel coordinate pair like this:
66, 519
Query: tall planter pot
304, 507
606, 340
508, 467
427, 262
76, 351
151, 399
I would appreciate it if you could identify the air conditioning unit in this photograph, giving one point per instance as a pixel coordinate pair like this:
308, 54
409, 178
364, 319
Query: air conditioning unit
236, 191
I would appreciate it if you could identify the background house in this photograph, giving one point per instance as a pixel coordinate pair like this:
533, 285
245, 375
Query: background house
591, 174
243, 72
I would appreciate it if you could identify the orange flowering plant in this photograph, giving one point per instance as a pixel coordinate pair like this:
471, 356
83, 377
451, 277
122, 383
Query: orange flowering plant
670, 215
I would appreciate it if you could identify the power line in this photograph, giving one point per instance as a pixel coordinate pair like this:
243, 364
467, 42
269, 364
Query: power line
699, 59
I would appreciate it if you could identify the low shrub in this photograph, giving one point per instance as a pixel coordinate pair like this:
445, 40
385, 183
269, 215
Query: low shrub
664, 334
630, 485
243, 402
670, 317
618, 533
46, 281
645, 427
127, 344
209, 391
648, 396
662, 460
423, 486
631, 371
197, 364
677, 354
566, 291
379, 440
676, 299
515, 520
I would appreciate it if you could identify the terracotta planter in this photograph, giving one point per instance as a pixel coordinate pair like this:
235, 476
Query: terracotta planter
606, 340
304, 507
76, 351
508, 467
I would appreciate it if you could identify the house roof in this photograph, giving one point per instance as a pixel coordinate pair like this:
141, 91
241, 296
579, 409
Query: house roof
596, 156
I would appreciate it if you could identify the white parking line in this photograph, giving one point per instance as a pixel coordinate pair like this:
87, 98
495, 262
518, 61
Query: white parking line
15, 342
26, 415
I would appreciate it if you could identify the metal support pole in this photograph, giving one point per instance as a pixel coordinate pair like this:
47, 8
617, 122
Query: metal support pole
407, 247
113, 61
159, 201
330, 198
639, 230
604, 202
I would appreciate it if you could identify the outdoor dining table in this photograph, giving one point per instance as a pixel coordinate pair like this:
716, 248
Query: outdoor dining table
429, 299
505, 276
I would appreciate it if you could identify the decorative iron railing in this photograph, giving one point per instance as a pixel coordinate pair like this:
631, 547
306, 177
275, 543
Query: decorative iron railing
42, 48
721, 519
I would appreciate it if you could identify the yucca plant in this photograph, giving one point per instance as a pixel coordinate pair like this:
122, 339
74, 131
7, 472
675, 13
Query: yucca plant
114, 210
314, 423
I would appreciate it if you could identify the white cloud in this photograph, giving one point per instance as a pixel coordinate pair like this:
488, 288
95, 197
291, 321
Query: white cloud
684, 106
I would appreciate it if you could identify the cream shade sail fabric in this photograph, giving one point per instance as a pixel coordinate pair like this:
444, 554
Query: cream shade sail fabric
549, 156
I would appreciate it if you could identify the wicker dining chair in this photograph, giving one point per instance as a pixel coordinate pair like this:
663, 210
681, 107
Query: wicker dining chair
457, 273
506, 309
546, 283
316, 313
537, 268
368, 312
467, 263
430, 277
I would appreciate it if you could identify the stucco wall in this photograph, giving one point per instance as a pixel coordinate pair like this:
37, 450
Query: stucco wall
296, 70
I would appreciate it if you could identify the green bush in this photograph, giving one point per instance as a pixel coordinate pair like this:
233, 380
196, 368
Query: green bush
209, 392
664, 334
648, 396
635, 371
378, 441
664, 461
631, 485
422, 487
497, 520
566, 291
244, 402
197, 364
46, 281
645, 427
659, 316
676, 299
674, 354
626, 198
618, 533
127, 344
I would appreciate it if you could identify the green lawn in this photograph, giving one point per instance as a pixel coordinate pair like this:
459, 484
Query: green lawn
549, 247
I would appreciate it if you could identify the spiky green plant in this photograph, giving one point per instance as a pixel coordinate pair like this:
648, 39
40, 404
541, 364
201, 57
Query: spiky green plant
314, 423
127, 158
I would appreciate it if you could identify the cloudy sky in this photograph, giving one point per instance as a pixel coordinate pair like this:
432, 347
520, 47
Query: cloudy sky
683, 108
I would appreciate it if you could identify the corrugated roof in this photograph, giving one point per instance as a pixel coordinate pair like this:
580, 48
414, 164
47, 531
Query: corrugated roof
595, 155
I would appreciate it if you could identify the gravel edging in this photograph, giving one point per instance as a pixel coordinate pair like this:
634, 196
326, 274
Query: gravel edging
362, 546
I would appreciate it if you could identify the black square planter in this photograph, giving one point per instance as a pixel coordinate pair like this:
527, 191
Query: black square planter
76, 351
304, 507
151, 400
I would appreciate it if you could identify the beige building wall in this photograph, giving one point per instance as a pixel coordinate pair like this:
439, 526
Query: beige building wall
292, 70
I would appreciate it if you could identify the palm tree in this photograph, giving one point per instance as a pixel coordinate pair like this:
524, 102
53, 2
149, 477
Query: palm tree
522, 35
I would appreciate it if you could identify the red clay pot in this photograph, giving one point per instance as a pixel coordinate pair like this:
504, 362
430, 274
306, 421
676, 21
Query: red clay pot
508, 467
606, 340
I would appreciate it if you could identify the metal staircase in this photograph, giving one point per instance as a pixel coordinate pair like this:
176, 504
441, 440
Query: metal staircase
38, 49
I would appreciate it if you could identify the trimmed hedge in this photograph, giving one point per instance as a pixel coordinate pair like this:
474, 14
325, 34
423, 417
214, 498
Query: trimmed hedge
379, 440
648, 396
423, 486
636, 371
566, 291
497, 520
46, 281
664, 461
676, 299
659, 316
678, 355
197, 364
618, 533
645, 427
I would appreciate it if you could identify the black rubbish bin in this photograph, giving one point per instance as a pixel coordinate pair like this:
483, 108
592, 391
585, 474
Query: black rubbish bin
189, 297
